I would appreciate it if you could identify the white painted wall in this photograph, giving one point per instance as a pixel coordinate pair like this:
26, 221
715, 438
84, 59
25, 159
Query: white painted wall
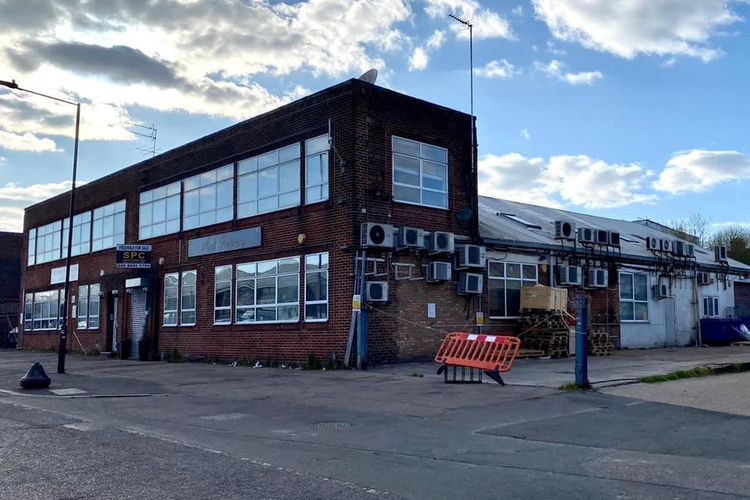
723, 290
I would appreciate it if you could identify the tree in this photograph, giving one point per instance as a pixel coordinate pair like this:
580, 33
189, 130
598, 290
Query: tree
737, 240
697, 225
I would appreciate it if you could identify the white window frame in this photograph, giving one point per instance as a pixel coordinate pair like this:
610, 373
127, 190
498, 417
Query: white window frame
317, 156
422, 159
711, 302
49, 237
159, 199
176, 310
276, 276
81, 234
633, 300
212, 179
31, 247
253, 168
217, 269
28, 311
42, 298
505, 279
322, 269
85, 316
181, 303
114, 213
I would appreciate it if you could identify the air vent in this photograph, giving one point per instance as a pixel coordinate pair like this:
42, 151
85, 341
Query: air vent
377, 291
660, 291
470, 283
565, 230
377, 235
586, 235
598, 278
441, 242
666, 246
471, 256
410, 237
570, 275
439, 271
720, 254
613, 238
653, 243
602, 237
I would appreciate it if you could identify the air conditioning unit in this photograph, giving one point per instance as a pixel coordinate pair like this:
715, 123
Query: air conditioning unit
471, 256
586, 235
660, 291
602, 237
565, 230
570, 275
376, 235
665, 246
439, 271
441, 242
376, 291
470, 283
410, 237
653, 243
703, 279
720, 254
678, 247
614, 238
598, 278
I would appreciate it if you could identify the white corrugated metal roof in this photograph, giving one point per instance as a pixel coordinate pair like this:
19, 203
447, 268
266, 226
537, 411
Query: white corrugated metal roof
494, 223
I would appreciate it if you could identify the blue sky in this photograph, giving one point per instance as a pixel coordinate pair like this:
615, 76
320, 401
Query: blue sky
627, 109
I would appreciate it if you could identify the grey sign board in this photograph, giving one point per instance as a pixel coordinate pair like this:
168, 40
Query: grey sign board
225, 242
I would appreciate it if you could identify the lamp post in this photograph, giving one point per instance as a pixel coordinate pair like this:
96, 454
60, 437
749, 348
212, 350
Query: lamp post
64, 321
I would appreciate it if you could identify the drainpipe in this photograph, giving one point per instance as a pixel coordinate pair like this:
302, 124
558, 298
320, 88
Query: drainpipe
697, 309
551, 271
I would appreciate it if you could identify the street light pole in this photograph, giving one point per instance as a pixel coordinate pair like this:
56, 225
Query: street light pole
64, 321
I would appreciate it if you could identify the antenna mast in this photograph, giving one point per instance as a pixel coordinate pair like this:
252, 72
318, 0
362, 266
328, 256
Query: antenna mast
146, 132
469, 25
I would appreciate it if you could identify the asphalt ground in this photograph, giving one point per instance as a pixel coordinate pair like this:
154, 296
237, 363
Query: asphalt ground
158, 430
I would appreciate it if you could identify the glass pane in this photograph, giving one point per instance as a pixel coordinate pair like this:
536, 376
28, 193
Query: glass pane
410, 195
249, 165
626, 311
192, 204
223, 316
208, 198
626, 286
513, 297
289, 153
246, 293
288, 265
223, 295
288, 289
529, 272
497, 269
173, 208
405, 146
316, 311
434, 199
514, 270
268, 204
188, 317
405, 170
223, 273
224, 194
245, 315
289, 176
497, 297
225, 172
640, 286
191, 183
268, 159
435, 176
288, 313
434, 153
289, 199
317, 144
247, 188
265, 314
266, 290
207, 178
268, 182
314, 173
267, 268
641, 311
159, 209
245, 270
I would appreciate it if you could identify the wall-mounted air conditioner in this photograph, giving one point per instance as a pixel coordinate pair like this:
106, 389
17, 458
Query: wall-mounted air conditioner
614, 238
720, 254
666, 246
570, 275
660, 291
376, 291
565, 230
439, 271
376, 235
586, 235
441, 242
703, 278
653, 243
471, 256
602, 237
470, 283
410, 237
598, 278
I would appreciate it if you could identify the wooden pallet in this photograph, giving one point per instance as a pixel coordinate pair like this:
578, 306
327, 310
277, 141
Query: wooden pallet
744, 343
530, 353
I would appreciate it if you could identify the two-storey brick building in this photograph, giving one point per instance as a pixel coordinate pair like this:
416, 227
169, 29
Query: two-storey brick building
254, 231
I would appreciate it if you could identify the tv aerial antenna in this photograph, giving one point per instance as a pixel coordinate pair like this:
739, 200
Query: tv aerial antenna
469, 25
147, 132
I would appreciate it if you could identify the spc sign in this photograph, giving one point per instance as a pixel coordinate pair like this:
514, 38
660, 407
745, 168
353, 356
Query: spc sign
133, 257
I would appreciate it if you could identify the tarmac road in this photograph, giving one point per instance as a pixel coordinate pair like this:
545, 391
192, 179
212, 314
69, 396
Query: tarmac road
213, 431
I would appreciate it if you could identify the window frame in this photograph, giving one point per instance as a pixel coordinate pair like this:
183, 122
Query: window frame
181, 297
147, 199
421, 187
216, 282
49, 317
713, 300
101, 214
276, 304
633, 300
176, 310
194, 183
319, 270
251, 167
504, 279
324, 156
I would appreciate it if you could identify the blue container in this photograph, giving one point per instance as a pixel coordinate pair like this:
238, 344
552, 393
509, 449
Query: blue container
716, 331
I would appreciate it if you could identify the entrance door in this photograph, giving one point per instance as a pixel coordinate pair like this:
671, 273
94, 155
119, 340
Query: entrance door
115, 322
137, 320
670, 325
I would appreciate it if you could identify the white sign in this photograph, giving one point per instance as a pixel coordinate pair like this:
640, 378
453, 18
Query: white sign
133, 248
57, 275
356, 302
431, 310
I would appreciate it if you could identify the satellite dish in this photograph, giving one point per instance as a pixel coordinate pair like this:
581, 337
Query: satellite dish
370, 76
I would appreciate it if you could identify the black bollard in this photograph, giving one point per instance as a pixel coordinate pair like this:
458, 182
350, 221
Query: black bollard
35, 378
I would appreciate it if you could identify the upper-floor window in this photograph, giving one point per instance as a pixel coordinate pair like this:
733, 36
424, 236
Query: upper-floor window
48, 242
505, 280
420, 173
81, 234
108, 226
633, 296
31, 248
269, 182
316, 169
208, 198
159, 211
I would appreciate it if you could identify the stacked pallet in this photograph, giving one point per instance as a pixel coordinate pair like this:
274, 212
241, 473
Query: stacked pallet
599, 343
545, 331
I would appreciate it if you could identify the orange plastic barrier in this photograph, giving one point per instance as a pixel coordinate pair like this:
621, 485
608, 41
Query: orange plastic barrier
490, 353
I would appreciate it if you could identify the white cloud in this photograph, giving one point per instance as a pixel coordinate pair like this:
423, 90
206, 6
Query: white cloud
525, 133
487, 23
651, 27
26, 142
699, 170
517, 11
563, 180
419, 59
14, 197
555, 69
436, 40
497, 69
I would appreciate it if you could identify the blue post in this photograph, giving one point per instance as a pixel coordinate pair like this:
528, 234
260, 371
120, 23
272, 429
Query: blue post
582, 355
362, 338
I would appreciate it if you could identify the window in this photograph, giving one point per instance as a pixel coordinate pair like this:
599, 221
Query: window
505, 282
223, 295
46, 310
187, 298
633, 297
420, 173
316, 287
159, 211
171, 285
208, 198
81, 234
316, 169
268, 291
269, 182
711, 307
48, 243
31, 250
88, 307
108, 226
28, 308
